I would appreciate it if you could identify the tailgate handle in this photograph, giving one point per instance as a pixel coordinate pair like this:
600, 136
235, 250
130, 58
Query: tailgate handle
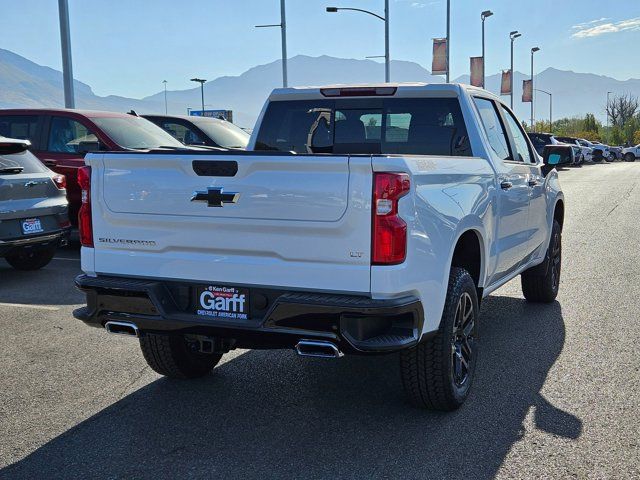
215, 168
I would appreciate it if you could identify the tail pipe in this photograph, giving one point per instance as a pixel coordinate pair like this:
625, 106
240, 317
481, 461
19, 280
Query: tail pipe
318, 348
122, 328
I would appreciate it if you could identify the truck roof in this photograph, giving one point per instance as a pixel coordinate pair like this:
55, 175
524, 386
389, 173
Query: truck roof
409, 89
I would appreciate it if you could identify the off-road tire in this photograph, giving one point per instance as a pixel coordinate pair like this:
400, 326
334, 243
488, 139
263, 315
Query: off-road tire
427, 369
540, 284
170, 355
30, 259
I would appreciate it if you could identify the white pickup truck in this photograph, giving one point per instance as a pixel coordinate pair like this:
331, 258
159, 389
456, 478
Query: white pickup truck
361, 220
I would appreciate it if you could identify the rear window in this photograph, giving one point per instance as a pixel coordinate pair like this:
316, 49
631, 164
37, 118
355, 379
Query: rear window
19, 126
419, 126
25, 160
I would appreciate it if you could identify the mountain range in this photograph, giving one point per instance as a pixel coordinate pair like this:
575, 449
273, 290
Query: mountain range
26, 84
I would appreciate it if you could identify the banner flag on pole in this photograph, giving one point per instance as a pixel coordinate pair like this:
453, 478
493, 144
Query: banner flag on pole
439, 62
527, 91
505, 86
477, 72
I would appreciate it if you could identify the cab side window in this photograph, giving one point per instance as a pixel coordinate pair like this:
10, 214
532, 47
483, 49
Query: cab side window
66, 134
23, 127
522, 153
493, 127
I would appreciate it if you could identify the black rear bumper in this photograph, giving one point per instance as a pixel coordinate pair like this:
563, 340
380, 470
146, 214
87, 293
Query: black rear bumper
58, 238
280, 318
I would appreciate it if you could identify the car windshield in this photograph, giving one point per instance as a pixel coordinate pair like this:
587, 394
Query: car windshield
135, 133
224, 133
22, 162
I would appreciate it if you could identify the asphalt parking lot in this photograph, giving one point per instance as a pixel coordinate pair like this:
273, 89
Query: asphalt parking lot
556, 395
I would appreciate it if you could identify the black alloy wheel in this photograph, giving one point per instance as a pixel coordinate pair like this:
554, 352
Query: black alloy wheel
463, 340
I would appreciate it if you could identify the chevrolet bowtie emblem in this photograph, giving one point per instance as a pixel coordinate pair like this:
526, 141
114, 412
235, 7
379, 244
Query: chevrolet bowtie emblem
215, 197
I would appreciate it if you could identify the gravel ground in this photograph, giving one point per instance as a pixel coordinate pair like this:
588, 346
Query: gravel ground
555, 396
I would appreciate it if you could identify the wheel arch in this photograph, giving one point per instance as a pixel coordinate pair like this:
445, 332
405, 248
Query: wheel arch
469, 253
558, 212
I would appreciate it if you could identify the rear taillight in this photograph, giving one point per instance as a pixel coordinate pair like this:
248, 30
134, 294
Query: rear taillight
389, 230
85, 227
60, 181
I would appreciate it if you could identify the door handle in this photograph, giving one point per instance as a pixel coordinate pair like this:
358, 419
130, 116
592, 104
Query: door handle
506, 185
532, 182
49, 163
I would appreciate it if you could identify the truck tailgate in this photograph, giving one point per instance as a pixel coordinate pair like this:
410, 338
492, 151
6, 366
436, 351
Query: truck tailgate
298, 221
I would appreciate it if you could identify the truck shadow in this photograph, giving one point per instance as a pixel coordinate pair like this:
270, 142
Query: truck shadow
271, 415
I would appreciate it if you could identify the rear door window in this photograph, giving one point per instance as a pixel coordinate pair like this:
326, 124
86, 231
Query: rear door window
24, 127
66, 134
418, 126
493, 127
523, 153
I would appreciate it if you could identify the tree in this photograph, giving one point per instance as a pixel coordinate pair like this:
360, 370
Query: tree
622, 108
590, 123
636, 137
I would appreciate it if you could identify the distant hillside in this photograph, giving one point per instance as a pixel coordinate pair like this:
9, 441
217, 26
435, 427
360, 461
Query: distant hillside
573, 93
27, 84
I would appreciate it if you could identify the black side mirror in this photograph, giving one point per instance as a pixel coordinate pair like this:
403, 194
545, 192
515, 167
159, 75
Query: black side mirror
86, 147
555, 156
13, 145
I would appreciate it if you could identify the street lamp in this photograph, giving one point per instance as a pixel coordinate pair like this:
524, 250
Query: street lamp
201, 82
484, 15
448, 39
512, 36
550, 108
533, 50
67, 64
283, 31
385, 19
607, 113
165, 96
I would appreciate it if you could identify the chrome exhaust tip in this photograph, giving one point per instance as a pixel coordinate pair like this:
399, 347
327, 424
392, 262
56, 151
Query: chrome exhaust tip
122, 328
317, 348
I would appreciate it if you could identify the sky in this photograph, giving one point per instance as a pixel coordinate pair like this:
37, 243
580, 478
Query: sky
128, 47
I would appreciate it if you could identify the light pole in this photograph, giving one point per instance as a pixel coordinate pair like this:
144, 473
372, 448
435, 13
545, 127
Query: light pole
65, 43
448, 38
201, 82
607, 113
283, 32
550, 108
165, 96
385, 19
513, 35
484, 15
533, 50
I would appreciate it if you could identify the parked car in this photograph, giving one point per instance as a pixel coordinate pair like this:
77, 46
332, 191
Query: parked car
630, 154
61, 138
585, 152
599, 151
541, 140
202, 131
615, 153
329, 236
33, 208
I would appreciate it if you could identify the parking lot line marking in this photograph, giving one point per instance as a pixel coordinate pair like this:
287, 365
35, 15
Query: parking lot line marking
36, 307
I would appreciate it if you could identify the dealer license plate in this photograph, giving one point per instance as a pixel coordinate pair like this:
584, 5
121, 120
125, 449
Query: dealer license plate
31, 225
224, 302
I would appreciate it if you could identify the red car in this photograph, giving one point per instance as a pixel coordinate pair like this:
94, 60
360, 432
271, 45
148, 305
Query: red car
61, 138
